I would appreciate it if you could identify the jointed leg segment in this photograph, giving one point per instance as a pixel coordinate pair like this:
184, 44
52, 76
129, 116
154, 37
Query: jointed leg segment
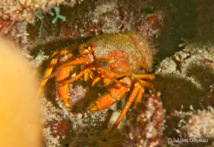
85, 71
116, 93
61, 75
132, 97
47, 74
143, 76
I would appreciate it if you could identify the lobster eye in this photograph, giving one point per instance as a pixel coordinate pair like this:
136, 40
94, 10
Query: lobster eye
113, 57
89, 48
86, 50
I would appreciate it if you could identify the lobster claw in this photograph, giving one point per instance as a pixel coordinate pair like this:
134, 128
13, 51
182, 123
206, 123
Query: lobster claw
115, 94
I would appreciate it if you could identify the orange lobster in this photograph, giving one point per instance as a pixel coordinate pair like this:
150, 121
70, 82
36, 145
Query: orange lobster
120, 58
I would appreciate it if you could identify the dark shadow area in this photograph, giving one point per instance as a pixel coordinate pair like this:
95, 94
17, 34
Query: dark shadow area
49, 47
182, 23
90, 139
203, 74
177, 91
50, 91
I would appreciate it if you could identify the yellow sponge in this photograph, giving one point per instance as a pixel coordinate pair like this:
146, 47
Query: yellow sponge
19, 119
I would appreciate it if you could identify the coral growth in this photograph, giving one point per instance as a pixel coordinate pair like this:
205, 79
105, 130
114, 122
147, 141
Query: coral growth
24, 10
146, 122
111, 17
92, 18
200, 124
56, 127
193, 128
15, 16
208, 99
17, 33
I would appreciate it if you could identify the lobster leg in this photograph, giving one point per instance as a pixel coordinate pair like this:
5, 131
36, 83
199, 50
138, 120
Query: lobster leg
132, 97
65, 51
63, 83
47, 74
143, 76
63, 73
86, 70
82, 60
110, 76
116, 93
139, 96
95, 81
63, 90
147, 84
51, 66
